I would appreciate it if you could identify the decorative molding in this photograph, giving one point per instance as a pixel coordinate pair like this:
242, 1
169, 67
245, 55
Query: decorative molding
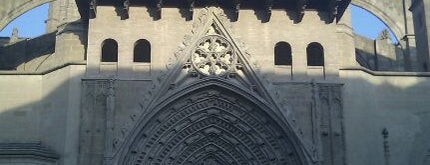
213, 55
36, 152
212, 125
331, 124
110, 141
179, 75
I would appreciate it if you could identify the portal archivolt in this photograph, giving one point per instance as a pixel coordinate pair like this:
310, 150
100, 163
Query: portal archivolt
216, 126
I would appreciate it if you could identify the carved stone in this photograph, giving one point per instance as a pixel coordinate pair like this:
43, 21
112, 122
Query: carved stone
212, 125
33, 153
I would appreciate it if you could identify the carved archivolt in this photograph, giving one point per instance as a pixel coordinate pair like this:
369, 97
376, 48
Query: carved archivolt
212, 126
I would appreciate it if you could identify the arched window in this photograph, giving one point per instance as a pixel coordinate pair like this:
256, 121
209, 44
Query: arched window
315, 54
109, 51
142, 51
283, 54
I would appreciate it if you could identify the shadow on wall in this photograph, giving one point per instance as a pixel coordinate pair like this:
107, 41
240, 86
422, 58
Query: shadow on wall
380, 54
377, 62
18, 54
31, 54
48, 109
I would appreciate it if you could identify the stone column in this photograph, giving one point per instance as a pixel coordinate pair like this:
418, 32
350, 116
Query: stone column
71, 35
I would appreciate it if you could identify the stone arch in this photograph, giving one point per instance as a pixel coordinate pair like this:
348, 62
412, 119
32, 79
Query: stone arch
315, 54
142, 51
391, 12
283, 53
213, 121
12, 9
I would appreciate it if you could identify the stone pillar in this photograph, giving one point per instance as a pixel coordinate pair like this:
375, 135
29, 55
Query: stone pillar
70, 48
346, 44
421, 26
385, 52
71, 35
53, 16
409, 59
299, 69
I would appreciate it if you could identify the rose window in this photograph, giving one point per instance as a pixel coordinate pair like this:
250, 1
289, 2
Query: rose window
213, 55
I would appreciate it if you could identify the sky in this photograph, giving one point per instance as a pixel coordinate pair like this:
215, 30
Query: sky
366, 24
32, 23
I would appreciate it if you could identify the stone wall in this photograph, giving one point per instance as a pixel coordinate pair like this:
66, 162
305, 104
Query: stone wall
27, 55
371, 103
398, 104
379, 54
42, 108
111, 109
395, 15
167, 34
84, 113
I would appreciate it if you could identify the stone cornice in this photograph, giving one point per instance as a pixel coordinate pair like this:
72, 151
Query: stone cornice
335, 8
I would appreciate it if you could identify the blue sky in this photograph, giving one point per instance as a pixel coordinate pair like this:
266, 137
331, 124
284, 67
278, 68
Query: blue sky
32, 23
366, 24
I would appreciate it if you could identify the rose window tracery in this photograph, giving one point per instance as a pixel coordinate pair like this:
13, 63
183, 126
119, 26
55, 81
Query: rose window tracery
213, 56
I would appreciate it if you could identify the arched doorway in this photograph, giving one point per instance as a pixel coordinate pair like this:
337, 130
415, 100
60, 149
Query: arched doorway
213, 125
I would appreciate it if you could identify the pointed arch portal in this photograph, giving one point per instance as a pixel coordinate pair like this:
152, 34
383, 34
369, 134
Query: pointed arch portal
212, 125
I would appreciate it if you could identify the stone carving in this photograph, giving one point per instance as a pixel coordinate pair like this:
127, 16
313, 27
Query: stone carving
179, 133
36, 153
212, 125
122, 128
331, 125
110, 117
297, 99
93, 121
213, 56
386, 145
14, 36
383, 35
211, 22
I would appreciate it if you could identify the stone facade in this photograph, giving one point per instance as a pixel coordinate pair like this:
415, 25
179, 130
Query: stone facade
208, 91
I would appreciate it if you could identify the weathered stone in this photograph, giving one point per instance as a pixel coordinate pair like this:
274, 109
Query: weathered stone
210, 92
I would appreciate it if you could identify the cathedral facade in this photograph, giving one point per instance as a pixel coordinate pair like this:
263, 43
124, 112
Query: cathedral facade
133, 82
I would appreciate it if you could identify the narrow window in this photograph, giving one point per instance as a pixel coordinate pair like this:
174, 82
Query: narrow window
109, 51
283, 54
142, 51
315, 54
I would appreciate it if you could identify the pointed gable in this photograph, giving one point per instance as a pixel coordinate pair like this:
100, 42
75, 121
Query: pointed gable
211, 52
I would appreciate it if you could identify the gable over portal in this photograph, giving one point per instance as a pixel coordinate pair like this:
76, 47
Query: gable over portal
210, 123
